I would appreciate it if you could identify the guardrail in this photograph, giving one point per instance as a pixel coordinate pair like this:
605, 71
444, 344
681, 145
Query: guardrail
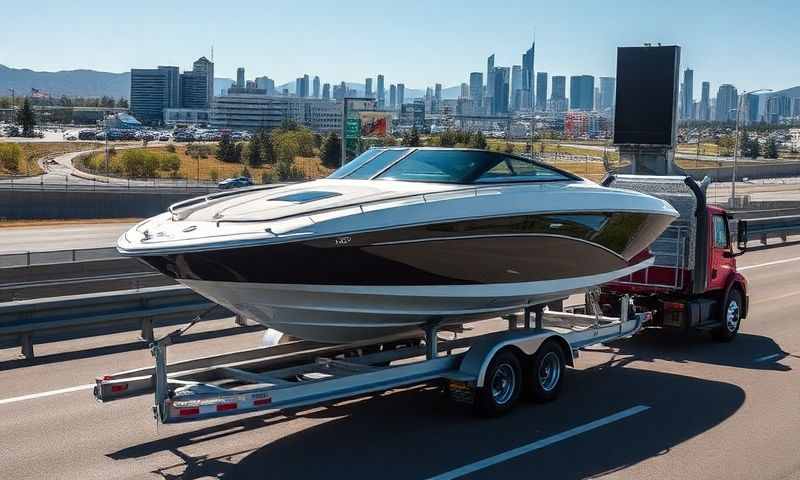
765, 228
27, 259
26, 319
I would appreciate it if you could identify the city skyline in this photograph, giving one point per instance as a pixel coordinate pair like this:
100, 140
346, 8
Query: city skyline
569, 44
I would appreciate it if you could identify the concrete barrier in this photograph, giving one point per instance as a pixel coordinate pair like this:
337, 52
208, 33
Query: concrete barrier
43, 204
747, 170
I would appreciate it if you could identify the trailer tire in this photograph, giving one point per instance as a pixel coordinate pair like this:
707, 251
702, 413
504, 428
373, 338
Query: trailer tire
730, 317
545, 373
502, 385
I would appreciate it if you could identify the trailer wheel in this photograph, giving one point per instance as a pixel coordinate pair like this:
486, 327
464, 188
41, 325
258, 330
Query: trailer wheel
731, 317
502, 385
545, 374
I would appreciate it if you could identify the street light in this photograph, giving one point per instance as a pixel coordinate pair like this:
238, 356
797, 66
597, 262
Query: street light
736, 143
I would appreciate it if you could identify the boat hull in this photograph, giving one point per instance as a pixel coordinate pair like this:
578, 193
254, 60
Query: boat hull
337, 313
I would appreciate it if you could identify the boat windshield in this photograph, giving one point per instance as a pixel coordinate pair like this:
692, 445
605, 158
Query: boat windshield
447, 166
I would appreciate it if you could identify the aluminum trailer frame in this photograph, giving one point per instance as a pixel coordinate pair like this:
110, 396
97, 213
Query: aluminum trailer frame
302, 373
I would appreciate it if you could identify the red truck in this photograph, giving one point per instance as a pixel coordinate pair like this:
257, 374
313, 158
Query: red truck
693, 284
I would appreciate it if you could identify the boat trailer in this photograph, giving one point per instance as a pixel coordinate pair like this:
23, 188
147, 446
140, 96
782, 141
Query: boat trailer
491, 371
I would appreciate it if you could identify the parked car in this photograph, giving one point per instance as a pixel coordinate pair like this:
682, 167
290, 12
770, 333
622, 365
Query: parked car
235, 182
70, 136
87, 135
163, 137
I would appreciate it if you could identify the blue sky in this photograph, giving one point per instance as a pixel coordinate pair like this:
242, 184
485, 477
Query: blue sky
750, 44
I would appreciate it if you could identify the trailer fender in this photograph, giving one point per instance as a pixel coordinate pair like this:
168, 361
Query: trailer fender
526, 342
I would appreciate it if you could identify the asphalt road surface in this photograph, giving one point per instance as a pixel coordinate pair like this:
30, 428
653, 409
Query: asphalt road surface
60, 237
652, 407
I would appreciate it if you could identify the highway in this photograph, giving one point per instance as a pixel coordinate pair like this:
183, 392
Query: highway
652, 407
60, 237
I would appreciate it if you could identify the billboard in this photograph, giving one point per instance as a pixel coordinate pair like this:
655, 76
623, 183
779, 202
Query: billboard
375, 124
647, 95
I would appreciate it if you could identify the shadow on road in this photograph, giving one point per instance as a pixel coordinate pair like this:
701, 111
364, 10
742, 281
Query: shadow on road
655, 344
121, 347
415, 433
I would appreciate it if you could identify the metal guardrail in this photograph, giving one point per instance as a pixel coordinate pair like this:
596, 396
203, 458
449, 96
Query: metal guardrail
26, 319
27, 258
765, 228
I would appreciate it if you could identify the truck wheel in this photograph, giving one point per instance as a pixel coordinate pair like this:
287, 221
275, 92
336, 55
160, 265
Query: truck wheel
731, 317
545, 374
502, 385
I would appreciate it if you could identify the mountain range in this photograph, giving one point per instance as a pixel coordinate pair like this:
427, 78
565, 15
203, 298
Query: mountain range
92, 83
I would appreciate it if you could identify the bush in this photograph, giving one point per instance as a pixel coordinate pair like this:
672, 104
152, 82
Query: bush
10, 154
170, 163
196, 150
268, 177
214, 174
112, 151
140, 163
171, 148
331, 151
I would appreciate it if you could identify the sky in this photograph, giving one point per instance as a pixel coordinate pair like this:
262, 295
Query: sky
749, 44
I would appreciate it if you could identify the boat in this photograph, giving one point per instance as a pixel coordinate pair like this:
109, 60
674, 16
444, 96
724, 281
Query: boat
400, 238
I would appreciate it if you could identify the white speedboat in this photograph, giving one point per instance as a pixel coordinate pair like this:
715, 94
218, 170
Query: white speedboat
399, 238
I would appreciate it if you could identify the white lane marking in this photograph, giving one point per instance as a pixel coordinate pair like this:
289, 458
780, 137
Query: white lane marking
767, 357
776, 262
775, 299
46, 394
539, 444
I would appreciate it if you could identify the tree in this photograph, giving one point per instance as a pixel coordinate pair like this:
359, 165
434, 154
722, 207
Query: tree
726, 144
267, 148
289, 124
228, 151
749, 147
477, 140
771, 148
411, 139
26, 119
509, 148
254, 151
331, 151
170, 163
448, 139
122, 103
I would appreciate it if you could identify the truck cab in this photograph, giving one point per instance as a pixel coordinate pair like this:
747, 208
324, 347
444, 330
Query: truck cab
694, 283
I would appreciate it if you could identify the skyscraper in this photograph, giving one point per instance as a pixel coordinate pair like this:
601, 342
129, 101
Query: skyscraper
194, 90
727, 97
267, 84
316, 86
581, 92
438, 90
153, 90
240, 77
204, 66
489, 81
687, 101
527, 77
464, 91
476, 89
368, 87
608, 87
298, 86
705, 102
306, 85
401, 94
381, 92
558, 94
541, 91
326, 91
392, 96
750, 115
516, 87
502, 77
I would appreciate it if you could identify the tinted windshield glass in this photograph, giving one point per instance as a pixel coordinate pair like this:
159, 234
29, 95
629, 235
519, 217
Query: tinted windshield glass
376, 164
459, 166
356, 163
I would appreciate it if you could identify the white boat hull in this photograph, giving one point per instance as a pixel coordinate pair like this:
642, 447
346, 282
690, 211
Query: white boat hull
336, 313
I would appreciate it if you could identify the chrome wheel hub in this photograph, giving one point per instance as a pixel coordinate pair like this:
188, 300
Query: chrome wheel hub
732, 317
549, 371
503, 383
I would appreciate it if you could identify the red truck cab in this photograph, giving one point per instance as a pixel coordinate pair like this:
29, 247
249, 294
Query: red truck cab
693, 283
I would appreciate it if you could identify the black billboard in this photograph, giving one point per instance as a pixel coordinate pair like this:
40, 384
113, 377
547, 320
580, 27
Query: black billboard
647, 95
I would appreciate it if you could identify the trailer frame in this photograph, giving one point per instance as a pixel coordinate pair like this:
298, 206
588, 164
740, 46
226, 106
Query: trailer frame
302, 373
